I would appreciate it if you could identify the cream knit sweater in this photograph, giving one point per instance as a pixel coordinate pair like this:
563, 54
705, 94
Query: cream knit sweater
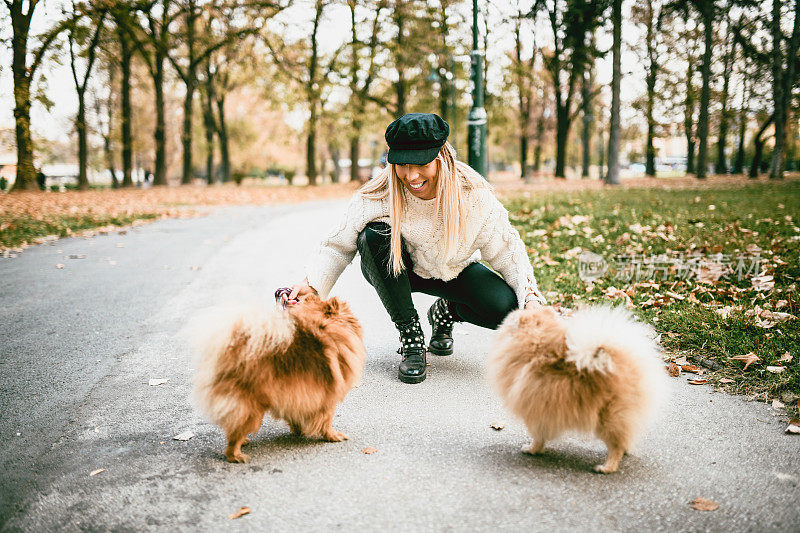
489, 236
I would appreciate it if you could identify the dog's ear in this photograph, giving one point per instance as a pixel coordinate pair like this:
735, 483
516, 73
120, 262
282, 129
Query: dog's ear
333, 306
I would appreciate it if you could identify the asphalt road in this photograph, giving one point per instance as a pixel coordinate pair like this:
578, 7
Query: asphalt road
79, 344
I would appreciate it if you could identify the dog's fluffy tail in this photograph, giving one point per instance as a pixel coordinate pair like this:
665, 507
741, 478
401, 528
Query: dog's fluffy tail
594, 330
255, 330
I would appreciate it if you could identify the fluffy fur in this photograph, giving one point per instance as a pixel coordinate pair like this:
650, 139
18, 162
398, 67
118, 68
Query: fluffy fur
296, 364
598, 371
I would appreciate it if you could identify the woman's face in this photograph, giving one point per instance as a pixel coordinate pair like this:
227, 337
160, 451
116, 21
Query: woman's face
420, 180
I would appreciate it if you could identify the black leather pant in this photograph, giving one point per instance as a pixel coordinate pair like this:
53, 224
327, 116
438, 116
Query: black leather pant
478, 295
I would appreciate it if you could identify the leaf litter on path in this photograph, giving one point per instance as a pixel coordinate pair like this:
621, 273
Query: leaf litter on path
154, 382
95, 472
701, 504
369, 450
241, 512
186, 435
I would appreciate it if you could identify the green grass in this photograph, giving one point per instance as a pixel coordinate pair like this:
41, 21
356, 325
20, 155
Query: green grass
682, 221
20, 230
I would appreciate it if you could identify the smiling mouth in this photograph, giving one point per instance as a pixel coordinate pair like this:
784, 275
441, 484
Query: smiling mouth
417, 186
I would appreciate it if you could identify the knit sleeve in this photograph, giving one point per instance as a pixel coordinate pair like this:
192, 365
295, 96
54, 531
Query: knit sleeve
502, 247
338, 249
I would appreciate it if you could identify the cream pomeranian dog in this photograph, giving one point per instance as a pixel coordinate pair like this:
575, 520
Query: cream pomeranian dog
296, 363
597, 371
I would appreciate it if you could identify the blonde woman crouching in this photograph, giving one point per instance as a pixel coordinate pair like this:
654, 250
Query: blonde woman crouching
422, 225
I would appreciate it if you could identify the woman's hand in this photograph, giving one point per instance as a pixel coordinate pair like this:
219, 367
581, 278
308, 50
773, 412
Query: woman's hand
299, 291
532, 304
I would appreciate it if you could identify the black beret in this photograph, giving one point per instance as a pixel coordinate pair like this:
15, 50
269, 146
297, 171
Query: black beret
415, 138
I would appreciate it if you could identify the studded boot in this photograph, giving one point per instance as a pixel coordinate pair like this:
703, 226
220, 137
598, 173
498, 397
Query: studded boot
413, 366
441, 320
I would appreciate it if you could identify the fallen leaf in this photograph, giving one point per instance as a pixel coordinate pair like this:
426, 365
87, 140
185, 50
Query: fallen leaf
726, 380
777, 404
497, 426
692, 369
60, 266
786, 358
674, 370
763, 283
157, 381
680, 361
776, 369
697, 381
794, 427
241, 512
748, 359
95, 472
369, 450
186, 435
701, 504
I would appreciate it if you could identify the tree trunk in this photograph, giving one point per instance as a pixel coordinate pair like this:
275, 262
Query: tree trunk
190, 79
705, 92
688, 119
612, 178
562, 132
186, 135
336, 171
160, 133
783, 82
311, 146
537, 150
400, 86
601, 152
650, 80
722, 163
523, 156
26, 173
222, 132
83, 151
209, 126
738, 165
758, 142
650, 151
126, 110
355, 145
588, 119
107, 144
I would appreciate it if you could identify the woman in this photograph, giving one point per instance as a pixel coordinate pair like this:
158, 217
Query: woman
422, 225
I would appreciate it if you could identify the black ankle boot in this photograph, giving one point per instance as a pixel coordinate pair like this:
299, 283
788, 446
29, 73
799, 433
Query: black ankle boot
413, 367
441, 328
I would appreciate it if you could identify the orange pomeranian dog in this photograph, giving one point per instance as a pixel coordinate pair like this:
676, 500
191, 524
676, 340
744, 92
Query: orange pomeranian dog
296, 363
597, 371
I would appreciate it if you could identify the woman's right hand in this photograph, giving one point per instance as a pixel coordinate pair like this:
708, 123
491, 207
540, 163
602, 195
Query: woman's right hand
299, 291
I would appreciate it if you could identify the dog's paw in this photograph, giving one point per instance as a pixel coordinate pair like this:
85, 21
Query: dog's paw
605, 469
334, 436
533, 449
236, 457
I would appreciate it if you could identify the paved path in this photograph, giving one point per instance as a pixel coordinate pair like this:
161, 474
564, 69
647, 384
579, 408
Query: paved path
79, 344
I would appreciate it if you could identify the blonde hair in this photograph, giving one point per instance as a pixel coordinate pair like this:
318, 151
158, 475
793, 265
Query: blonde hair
453, 178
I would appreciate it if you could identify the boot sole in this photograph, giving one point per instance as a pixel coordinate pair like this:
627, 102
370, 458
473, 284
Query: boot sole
412, 379
432, 350
440, 353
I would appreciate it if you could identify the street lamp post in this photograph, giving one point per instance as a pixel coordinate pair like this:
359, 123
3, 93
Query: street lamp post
476, 122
